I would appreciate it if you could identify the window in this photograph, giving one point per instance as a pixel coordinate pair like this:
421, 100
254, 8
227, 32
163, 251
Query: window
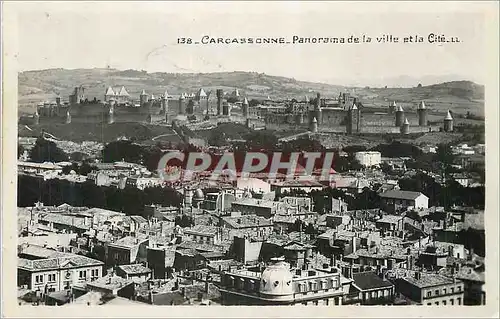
452, 301
39, 279
437, 292
452, 290
444, 291
459, 301
437, 303
429, 294
429, 304
82, 274
444, 302
459, 288
52, 278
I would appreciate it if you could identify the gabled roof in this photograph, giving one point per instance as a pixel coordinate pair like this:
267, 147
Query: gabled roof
448, 116
369, 280
201, 93
110, 91
123, 92
399, 194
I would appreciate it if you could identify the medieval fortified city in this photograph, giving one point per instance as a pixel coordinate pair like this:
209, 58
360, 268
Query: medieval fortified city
398, 219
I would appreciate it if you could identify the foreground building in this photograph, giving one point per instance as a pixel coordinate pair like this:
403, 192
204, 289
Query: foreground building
280, 285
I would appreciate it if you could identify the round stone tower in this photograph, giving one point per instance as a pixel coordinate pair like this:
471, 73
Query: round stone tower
68, 118
400, 116
220, 94
182, 101
405, 128
143, 98
36, 116
352, 114
111, 115
392, 107
314, 125
422, 114
448, 122
245, 107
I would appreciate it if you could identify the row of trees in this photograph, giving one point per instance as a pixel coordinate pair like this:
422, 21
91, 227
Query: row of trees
129, 200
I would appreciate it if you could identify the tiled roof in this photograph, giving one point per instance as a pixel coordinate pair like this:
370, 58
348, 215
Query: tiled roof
134, 269
110, 282
247, 221
390, 219
369, 280
467, 273
67, 262
201, 229
128, 242
429, 280
399, 194
64, 220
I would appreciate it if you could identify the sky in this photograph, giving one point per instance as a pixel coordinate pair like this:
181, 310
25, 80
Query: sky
143, 36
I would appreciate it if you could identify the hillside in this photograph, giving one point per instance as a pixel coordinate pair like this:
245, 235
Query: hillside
36, 86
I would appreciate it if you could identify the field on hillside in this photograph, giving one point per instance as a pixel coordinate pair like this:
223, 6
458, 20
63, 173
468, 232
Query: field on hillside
37, 86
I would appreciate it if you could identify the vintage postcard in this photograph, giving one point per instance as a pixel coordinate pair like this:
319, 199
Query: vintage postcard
233, 159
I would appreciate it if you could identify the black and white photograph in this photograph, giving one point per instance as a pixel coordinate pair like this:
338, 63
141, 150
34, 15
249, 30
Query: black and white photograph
311, 154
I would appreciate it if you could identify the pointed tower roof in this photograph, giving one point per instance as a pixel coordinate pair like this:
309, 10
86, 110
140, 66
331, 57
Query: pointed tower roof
406, 122
314, 120
394, 104
144, 92
165, 94
448, 116
201, 93
123, 92
245, 101
110, 91
236, 92
399, 109
152, 96
421, 105
354, 107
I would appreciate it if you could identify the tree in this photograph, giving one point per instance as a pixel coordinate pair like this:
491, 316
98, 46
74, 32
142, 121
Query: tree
118, 150
232, 99
253, 102
85, 169
190, 107
419, 85
354, 148
47, 151
217, 138
445, 157
261, 140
